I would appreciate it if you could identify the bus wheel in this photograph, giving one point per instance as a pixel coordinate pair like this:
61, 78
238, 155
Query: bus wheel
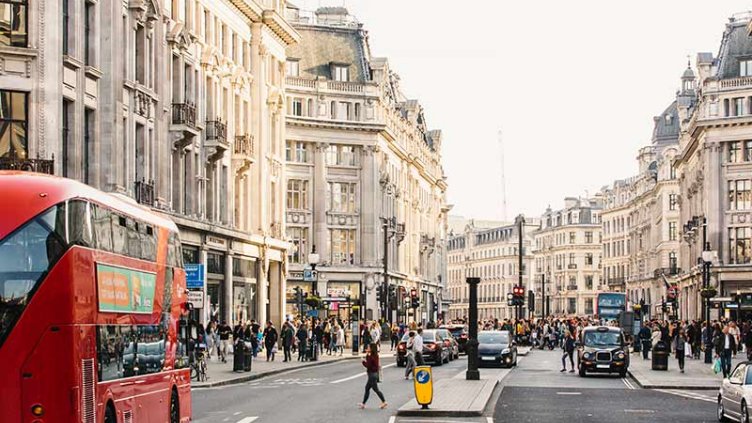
109, 414
174, 407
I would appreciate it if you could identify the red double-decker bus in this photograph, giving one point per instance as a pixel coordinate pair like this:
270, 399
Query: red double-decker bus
92, 294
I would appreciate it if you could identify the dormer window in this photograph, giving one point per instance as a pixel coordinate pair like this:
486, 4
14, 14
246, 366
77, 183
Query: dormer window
669, 119
341, 73
745, 67
293, 67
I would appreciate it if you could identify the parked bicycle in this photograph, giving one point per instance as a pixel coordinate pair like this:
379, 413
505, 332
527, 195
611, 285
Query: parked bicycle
199, 364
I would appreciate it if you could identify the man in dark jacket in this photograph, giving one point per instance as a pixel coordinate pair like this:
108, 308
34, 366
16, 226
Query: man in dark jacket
645, 336
270, 340
725, 346
287, 336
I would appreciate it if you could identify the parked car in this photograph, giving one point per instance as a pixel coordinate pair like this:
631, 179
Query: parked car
602, 349
735, 394
451, 343
459, 332
434, 349
496, 348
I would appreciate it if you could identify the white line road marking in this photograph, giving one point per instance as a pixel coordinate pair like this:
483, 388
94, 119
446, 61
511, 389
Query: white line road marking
489, 419
392, 419
359, 374
569, 393
247, 420
687, 395
627, 410
628, 383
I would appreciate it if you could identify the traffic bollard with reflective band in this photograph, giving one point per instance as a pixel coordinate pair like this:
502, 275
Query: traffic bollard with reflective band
423, 382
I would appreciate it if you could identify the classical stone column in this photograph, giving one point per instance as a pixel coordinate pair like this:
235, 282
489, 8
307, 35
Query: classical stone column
277, 292
320, 232
203, 258
228, 289
262, 286
369, 192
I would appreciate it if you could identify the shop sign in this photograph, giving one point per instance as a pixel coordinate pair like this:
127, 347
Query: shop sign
213, 241
122, 290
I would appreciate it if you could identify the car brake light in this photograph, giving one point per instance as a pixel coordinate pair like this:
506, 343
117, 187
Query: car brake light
431, 346
463, 336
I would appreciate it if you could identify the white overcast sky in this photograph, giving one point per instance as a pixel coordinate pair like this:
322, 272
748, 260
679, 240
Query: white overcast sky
573, 85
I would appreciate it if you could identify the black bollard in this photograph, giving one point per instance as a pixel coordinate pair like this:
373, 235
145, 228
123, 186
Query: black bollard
471, 348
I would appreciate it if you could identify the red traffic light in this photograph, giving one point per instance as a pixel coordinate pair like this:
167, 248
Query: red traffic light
518, 291
413, 293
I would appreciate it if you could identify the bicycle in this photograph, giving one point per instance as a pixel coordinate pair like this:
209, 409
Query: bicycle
198, 367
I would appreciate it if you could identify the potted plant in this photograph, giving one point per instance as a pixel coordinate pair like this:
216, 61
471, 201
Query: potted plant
708, 292
313, 301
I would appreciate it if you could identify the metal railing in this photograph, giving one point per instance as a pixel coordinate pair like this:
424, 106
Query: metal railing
184, 114
28, 165
244, 145
616, 282
216, 131
144, 192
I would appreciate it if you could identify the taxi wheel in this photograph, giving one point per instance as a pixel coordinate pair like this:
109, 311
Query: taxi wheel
721, 411
583, 373
744, 416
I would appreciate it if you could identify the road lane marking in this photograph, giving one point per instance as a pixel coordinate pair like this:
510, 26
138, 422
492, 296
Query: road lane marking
489, 419
361, 374
248, 419
628, 410
569, 393
687, 395
628, 383
391, 419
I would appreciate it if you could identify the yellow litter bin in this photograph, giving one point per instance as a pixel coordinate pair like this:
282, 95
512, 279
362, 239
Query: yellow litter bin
423, 382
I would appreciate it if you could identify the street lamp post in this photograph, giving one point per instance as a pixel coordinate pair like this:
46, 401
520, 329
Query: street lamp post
391, 229
313, 260
520, 223
705, 259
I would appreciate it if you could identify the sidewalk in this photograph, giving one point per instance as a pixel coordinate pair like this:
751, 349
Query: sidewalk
457, 397
220, 374
697, 374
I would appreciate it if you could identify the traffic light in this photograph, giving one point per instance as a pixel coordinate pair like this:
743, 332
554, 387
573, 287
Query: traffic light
530, 300
518, 296
380, 294
393, 296
414, 300
298, 295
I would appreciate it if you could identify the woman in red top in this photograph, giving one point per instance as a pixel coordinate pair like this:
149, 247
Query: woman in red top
371, 363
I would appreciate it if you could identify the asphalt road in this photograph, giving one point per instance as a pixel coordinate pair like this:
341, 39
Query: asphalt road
536, 391
328, 393
533, 392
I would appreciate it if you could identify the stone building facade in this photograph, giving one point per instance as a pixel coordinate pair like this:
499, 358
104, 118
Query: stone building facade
178, 104
715, 172
567, 253
361, 162
641, 226
491, 254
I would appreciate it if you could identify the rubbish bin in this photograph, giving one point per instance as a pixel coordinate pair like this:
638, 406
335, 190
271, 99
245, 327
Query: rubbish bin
660, 356
238, 356
248, 356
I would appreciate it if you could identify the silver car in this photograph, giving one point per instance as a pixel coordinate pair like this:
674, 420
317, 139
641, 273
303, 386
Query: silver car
735, 394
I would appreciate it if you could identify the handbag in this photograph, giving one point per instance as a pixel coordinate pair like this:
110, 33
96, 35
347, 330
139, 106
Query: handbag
381, 374
717, 365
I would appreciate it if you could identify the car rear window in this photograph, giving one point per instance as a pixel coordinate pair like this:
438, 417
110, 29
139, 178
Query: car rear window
428, 336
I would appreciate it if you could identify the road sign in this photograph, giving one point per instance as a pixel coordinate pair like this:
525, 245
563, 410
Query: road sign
194, 276
423, 383
196, 298
309, 275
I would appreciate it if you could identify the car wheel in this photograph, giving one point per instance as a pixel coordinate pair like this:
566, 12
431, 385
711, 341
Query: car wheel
744, 415
622, 374
583, 372
721, 412
400, 364
438, 361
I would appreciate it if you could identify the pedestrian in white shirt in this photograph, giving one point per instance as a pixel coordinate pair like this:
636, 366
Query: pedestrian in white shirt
418, 348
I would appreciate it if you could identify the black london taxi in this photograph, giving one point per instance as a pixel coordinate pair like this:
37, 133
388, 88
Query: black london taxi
602, 349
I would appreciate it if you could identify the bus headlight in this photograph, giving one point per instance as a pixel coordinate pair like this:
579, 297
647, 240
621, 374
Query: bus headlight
37, 410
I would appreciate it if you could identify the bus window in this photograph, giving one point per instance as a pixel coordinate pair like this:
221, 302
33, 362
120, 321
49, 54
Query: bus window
79, 224
119, 235
148, 242
116, 352
134, 239
102, 223
25, 257
150, 349
174, 251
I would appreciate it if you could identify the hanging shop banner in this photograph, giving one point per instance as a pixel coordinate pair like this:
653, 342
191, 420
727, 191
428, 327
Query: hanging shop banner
122, 290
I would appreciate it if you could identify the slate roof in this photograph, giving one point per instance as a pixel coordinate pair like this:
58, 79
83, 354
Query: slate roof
735, 45
320, 46
665, 132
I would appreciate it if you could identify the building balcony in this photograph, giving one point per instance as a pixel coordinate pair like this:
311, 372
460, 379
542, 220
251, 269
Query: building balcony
28, 165
216, 134
571, 287
144, 192
244, 146
571, 266
666, 271
616, 282
184, 114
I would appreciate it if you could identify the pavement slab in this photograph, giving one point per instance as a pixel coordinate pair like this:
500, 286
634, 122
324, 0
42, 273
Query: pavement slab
697, 374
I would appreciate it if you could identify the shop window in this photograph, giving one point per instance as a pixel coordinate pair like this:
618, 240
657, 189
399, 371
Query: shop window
215, 263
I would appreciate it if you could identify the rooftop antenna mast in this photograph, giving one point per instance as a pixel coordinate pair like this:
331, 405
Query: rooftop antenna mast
503, 180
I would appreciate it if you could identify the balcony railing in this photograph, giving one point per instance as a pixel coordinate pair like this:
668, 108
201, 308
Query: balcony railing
216, 133
571, 266
615, 282
740, 82
667, 271
184, 114
28, 165
571, 287
244, 145
144, 192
